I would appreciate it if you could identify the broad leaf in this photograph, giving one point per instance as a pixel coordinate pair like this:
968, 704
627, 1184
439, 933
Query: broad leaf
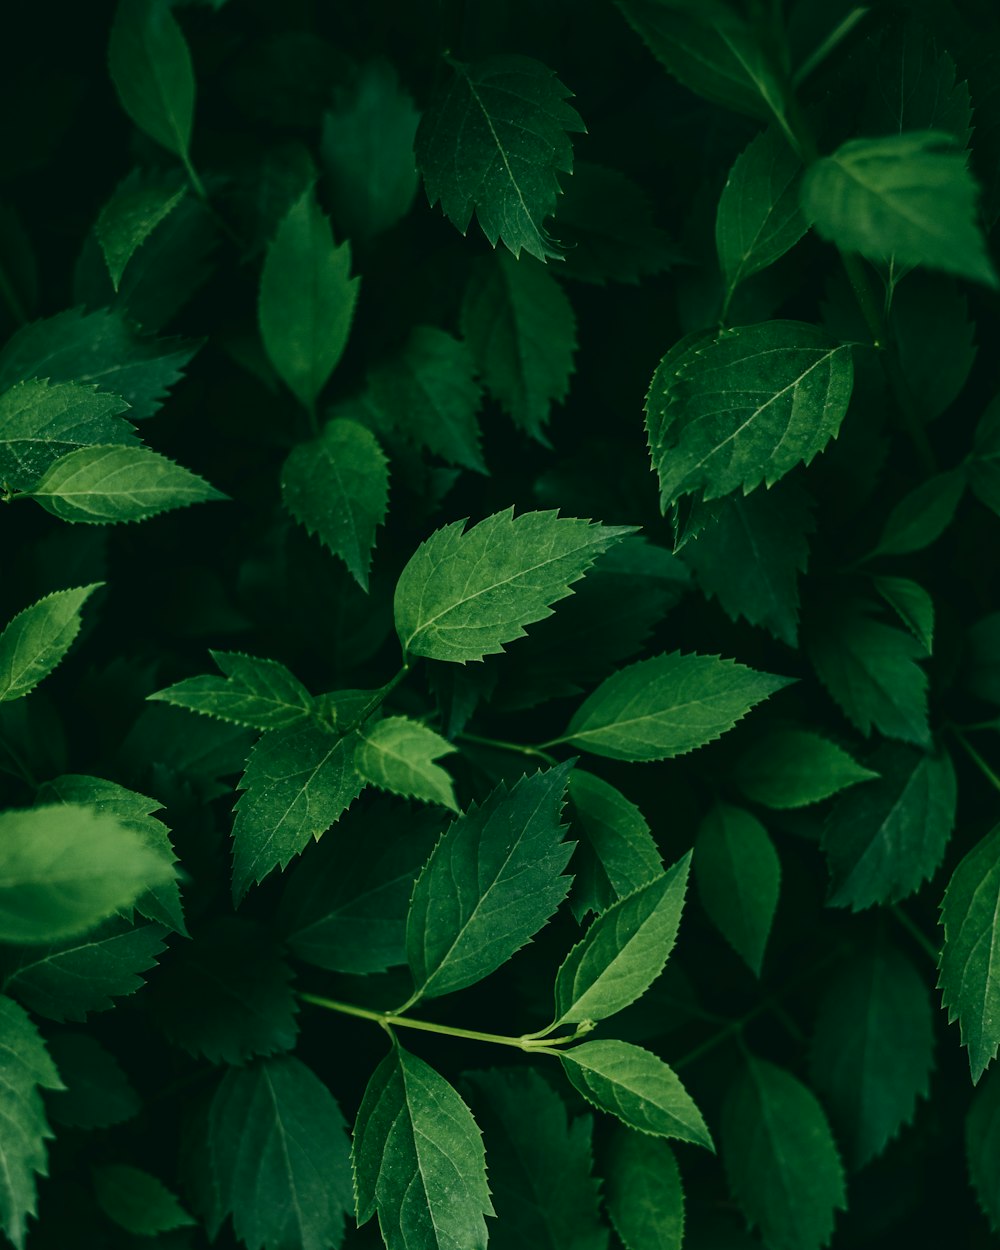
298, 781
418, 1160
617, 853
882, 840
667, 705
130, 217
906, 196
745, 407
643, 1191
42, 421
97, 1092
278, 1157
915, 87
64, 868
337, 486
259, 693
306, 301
738, 875
25, 1069
103, 485
873, 1048
151, 68
922, 516
912, 604
795, 767
780, 1158
521, 330
493, 880
137, 1201
623, 951
38, 638
398, 754
982, 1148
637, 1087
510, 162
464, 594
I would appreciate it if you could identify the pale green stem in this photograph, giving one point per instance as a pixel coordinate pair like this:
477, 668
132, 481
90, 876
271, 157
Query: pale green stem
500, 744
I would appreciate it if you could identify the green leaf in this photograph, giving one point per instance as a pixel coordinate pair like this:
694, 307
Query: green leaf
521, 330
745, 407
738, 874
540, 1163
97, 1092
667, 705
873, 1048
751, 554
984, 465
337, 486
259, 693
906, 196
935, 339
398, 754
623, 951
759, 218
137, 1201
616, 854
81, 975
795, 767
306, 300
151, 68
637, 1087
25, 1067
493, 880
510, 161
346, 901
42, 421
871, 670
982, 1148
643, 1192
969, 984
104, 485
366, 151
885, 838
912, 604
298, 781
100, 349
914, 87
64, 868
38, 638
922, 516
419, 1160
780, 1158
131, 215
278, 1157
464, 594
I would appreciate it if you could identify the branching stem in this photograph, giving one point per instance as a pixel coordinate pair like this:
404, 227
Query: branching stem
500, 744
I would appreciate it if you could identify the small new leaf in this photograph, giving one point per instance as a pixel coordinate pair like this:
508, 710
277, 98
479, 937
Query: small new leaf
38, 638
398, 754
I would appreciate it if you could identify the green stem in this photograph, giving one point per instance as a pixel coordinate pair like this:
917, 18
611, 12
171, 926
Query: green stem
378, 698
194, 178
976, 758
520, 748
835, 37
918, 935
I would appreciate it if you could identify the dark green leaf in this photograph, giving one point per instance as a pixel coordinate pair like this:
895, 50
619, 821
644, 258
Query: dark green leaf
151, 68
922, 516
795, 767
616, 854
982, 1148
912, 604
137, 1201
984, 467
98, 1093
643, 1192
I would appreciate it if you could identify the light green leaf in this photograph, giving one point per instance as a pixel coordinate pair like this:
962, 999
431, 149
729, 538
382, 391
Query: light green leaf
298, 781
637, 1087
103, 485
398, 754
64, 868
464, 594
337, 486
873, 1048
667, 705
41, 421
97, 1092
623, 951
259, 693
306, 300
25, 1068
643, 1191
510, 160
921, 516
912, 604
781, 1159
738, 874
982, 1148
794, 767
151, 68
969, 981
137, 1201
38, 638
885, 838
906, 196
131, 215
278, 1157
418, 1160
490, 884
616, 854
759, 218
745, 407
521, 330
540, 1163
